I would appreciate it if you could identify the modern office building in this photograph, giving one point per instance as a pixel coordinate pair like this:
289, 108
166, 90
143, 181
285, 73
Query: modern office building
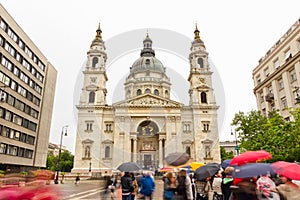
147, 125
27, 87
277, 76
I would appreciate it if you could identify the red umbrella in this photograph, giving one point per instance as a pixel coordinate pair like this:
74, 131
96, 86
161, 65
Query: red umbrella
251, 157
287, 169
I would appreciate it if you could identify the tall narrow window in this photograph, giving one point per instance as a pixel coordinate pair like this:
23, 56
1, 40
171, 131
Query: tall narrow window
156, 92
200, 62
188, 150
203, 97
95, 62
107, 152
138, 92
91, 97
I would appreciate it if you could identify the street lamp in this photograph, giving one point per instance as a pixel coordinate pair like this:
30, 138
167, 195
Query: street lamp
237, 148
64, 128
90, 169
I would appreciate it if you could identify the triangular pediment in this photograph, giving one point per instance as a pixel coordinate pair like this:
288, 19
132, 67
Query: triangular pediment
92, 87
87, 141
148, 100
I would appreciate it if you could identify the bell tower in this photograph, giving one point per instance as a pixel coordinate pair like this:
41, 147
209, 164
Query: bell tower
95, 78
201, 90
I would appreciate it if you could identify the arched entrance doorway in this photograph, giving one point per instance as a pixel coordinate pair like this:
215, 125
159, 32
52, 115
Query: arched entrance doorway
147, 145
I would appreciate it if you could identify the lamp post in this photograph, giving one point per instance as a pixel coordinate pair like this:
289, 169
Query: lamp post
237, 148
64, 128
90, 168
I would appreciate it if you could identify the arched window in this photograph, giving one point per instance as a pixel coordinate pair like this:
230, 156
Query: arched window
147, 62
166, 93
107, 152
139, 92
147, 90
200, 62
91, 97
95, 62
203, 97
156, 92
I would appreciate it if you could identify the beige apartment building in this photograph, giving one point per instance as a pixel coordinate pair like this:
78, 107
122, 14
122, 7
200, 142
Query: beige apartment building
27, 87
277, 76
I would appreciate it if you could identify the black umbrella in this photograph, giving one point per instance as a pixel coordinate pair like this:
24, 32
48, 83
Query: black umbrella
207, 170
129, 167
177, 158
253, 169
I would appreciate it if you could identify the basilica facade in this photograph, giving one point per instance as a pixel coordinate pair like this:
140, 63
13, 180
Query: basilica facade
147, 125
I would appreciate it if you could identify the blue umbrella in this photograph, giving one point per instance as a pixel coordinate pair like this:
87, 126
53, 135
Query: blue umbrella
225, 163
252, 170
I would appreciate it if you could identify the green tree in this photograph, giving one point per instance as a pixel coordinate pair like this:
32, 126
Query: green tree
65, 164
272, 133
225, 155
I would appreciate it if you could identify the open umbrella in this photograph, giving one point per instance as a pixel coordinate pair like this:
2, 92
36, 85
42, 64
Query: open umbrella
129, 167
251, 157
166, 169
252, 170
177, 158
207, 170
196, 165
287, 169
225, 163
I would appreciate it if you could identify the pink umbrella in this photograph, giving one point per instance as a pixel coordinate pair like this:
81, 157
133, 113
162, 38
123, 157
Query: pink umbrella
251, 157
287, 169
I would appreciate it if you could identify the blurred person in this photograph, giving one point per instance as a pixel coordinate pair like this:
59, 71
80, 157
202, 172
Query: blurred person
245, 190
77, 179
111, 186
227, 181
148, 186
184, 186
191, 175
265, 189
202, 189
288, 190
135, 185
169, 185
127, 186
216, 192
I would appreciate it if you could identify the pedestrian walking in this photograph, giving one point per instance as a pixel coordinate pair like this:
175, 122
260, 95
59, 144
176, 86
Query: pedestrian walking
127, 186
111, 186
77, 179
148, 186
135, 185
202, 189
169, 186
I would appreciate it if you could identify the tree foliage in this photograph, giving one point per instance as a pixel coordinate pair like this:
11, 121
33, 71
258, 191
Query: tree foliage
225, 155
272, 133
65, 164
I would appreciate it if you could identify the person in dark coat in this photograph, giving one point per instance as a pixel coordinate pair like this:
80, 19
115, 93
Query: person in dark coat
127, 186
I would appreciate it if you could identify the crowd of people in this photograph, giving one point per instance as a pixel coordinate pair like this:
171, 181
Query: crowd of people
140, 187
221, 186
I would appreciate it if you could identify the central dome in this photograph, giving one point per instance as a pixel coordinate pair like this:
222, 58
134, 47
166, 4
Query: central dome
147, 61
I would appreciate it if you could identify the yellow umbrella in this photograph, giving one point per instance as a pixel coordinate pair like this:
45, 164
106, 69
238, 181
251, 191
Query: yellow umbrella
196, 165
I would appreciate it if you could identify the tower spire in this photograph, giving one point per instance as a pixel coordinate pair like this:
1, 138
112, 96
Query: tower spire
98, 32
196, 32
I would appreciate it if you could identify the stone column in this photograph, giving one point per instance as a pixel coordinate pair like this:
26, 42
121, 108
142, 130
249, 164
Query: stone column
134, 149
160, 153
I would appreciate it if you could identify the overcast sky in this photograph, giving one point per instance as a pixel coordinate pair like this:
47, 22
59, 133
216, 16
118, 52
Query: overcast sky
236, 34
